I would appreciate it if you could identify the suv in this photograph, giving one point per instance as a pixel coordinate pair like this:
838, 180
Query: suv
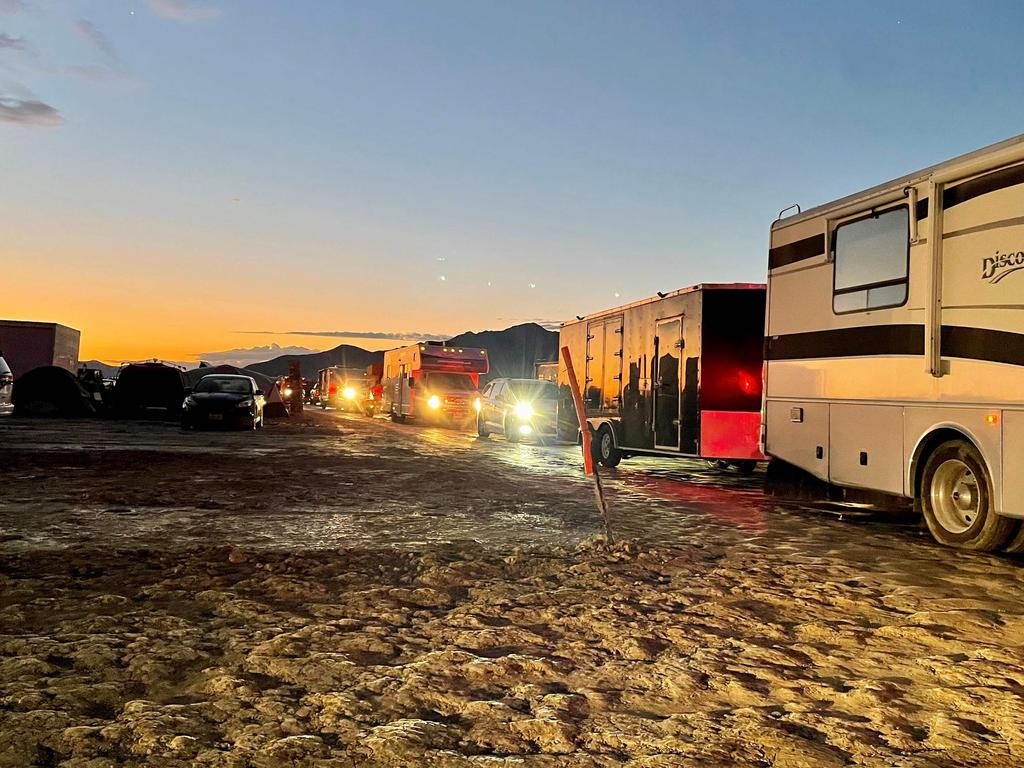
518, 408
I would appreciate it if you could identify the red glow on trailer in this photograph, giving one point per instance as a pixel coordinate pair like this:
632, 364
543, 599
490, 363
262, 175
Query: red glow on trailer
333, 389
748, 383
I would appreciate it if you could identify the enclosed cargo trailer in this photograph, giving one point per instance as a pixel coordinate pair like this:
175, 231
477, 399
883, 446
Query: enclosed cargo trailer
26, 345
678, 374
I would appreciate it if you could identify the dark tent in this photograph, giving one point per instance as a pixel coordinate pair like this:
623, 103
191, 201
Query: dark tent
149, 390
50, 391
275, 407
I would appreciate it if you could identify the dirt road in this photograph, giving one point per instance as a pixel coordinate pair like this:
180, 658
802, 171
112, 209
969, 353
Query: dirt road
341, 592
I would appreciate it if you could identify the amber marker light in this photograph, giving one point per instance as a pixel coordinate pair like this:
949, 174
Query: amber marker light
992, 419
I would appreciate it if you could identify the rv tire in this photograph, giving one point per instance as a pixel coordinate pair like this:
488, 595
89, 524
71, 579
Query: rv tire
1016, 545
607, 452
956, 498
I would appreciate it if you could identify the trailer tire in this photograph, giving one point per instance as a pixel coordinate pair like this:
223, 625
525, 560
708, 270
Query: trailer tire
397, 417
746, 466
607, 453
956, 498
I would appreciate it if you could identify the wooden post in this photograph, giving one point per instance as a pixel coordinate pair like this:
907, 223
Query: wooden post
588, 454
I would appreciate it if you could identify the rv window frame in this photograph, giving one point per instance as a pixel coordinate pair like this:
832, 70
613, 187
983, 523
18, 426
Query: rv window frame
872, 213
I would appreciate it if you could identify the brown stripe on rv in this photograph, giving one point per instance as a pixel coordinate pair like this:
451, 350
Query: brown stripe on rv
982, 344
957, 341
796, 251
847, 342
990, 182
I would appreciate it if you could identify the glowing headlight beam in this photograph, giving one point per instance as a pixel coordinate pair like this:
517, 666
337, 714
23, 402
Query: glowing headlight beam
523, 410
349, 393
434, 402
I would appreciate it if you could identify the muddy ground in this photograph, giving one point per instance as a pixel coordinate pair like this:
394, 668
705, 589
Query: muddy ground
340, 592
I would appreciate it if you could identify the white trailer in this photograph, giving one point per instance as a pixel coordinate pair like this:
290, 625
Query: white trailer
895, 344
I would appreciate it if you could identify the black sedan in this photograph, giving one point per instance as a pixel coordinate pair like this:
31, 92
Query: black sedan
224, 400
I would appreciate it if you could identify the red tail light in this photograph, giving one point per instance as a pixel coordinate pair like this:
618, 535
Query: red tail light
748, 384
333, 390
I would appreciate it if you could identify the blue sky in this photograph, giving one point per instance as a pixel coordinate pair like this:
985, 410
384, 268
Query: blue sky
232, 166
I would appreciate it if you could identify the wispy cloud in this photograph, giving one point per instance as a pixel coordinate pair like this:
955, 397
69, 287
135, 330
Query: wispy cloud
405, 336
243, 356
180, 10
29, 112
12, 43
11, 6
92, 35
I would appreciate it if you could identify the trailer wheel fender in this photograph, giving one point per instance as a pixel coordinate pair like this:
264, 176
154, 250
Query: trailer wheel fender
597, 424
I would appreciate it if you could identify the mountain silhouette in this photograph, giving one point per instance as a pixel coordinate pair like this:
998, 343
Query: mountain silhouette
513, 352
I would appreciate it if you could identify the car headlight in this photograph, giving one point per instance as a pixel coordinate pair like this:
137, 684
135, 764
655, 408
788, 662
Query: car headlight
349, 393
477, 405
434, 402
287, 391
523, 410
245, 404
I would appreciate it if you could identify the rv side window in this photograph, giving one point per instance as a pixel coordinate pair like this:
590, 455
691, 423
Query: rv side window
872, 258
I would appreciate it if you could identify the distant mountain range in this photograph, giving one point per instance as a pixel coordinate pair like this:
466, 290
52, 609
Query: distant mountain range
513, 352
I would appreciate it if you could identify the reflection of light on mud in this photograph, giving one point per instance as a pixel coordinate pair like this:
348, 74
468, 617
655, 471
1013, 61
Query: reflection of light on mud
727, 505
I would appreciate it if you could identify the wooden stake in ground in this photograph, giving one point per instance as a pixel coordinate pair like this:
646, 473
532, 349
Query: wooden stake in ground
588, 455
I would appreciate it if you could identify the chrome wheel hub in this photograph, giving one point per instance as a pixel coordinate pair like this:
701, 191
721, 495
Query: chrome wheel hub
954, 496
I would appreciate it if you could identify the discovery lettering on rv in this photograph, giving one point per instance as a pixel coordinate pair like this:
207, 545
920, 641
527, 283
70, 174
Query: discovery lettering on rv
995, 268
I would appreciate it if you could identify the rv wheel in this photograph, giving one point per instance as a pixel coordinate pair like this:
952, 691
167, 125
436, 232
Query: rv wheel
607, 453
956, 498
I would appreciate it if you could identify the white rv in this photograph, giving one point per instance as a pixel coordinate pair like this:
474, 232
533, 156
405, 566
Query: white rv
895, 344
432, 381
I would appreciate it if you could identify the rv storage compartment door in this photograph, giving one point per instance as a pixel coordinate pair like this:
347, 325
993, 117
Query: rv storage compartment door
1012, 485
866, 446
797, 432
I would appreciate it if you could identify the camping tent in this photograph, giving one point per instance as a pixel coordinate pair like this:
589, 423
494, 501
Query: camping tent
149, 389
50, 391
275, 406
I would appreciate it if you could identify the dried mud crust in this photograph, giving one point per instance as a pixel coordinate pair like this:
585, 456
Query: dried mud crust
460, 656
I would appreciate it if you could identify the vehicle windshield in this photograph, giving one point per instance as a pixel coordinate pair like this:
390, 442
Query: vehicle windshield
224, 384
450, 381
531, 391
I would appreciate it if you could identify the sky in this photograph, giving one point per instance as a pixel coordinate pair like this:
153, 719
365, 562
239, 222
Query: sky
188, 180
